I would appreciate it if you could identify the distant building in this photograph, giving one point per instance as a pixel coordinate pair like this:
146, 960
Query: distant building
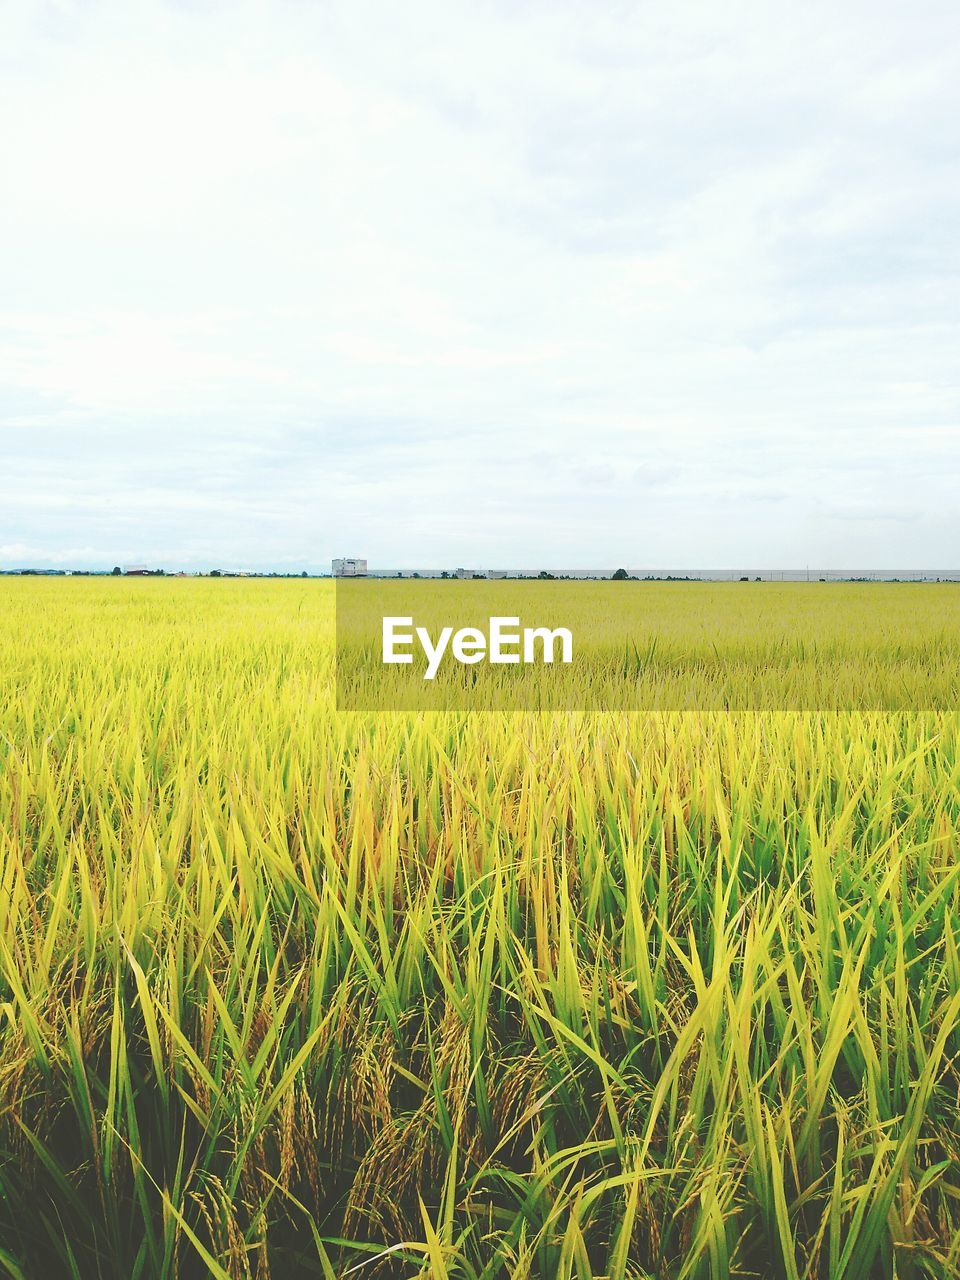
136, 571
349, 567
496, 573
466, 574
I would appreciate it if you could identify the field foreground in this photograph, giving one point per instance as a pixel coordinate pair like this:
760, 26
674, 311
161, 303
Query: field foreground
290, 992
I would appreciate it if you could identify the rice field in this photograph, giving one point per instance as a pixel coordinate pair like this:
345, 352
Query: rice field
286, 991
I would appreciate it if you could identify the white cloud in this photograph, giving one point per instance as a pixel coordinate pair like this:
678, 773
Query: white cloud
442, 281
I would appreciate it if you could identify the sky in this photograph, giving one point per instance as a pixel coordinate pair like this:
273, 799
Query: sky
499, 283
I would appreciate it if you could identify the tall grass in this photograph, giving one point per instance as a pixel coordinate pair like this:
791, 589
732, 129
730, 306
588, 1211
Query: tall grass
286, 992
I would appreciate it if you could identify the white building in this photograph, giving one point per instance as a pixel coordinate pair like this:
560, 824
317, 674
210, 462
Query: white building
349, 567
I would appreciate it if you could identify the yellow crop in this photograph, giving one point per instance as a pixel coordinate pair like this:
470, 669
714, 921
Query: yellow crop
286, 991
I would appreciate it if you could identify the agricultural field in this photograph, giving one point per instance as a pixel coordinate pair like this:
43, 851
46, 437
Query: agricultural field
291, 991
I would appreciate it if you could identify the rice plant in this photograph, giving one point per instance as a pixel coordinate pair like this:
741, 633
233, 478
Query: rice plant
291, 992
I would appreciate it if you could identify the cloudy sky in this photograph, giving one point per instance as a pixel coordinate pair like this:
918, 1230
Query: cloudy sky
494, 283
